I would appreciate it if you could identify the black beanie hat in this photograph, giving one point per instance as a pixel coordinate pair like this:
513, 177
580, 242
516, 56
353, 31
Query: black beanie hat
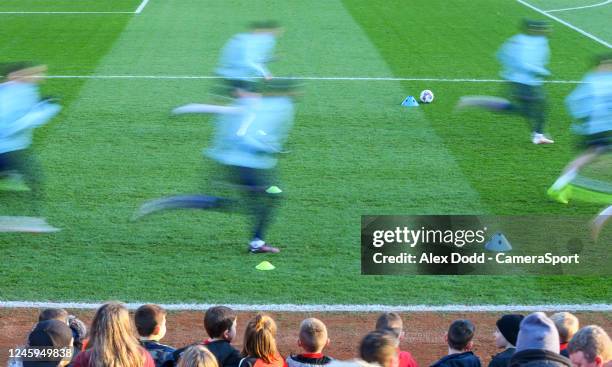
509, 326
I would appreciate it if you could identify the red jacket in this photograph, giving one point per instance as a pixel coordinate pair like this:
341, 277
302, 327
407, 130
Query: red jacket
277, 361
406, 359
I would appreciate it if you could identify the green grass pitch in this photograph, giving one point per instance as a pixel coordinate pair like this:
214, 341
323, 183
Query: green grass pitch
354, 150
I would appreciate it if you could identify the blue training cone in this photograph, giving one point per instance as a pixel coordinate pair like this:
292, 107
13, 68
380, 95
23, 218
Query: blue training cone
498, 243
410, 101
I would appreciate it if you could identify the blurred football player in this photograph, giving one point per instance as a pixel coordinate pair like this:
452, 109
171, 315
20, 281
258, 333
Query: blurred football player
245, 56
21, 111
524, 58
246, 143
590, 104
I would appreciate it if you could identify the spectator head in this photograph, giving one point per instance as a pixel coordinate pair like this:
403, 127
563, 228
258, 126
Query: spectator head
197, 356
220, 323
78, 327
391, 322
260, 338
51, 333
113, 340
151, 321
507, 330
79, 331
379, 347
53, 314
538, 332
460, 335
567, 325
313, 335
590, 347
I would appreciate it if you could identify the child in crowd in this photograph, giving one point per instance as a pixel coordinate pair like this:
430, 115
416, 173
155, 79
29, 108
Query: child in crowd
151, 325
377, 349
259, 348
567, 325
78, 327
220, 324
197, 356
53, 314
459, 340
312, 339
51, 334
506, 332
392, 322
113, 341
537, 343
590, 347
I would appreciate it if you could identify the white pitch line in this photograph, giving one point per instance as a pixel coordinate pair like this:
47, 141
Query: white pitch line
580, 7
330, 308
66, 12
581, 31
141, 6
170, 77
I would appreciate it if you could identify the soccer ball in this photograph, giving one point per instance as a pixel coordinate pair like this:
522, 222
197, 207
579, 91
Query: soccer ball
427, 96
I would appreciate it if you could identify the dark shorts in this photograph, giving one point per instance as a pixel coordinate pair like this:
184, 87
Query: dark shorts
228, 87
527, 93
599, 140
10, 161
251, 179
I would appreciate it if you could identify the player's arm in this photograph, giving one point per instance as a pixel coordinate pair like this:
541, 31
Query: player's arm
533, 62
39, 115
256, 55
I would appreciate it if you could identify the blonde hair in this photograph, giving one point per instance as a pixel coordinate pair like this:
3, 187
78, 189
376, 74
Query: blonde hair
259, 338
592, 341
197, 356
567, 325
113, 341
313, 335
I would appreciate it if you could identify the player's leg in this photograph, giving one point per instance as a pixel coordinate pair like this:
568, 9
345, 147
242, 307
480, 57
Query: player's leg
558, 190
206, 108
181, 202
491, 103
533, 103
11, 175
26, 175
33, 175
262, 201
599, 221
